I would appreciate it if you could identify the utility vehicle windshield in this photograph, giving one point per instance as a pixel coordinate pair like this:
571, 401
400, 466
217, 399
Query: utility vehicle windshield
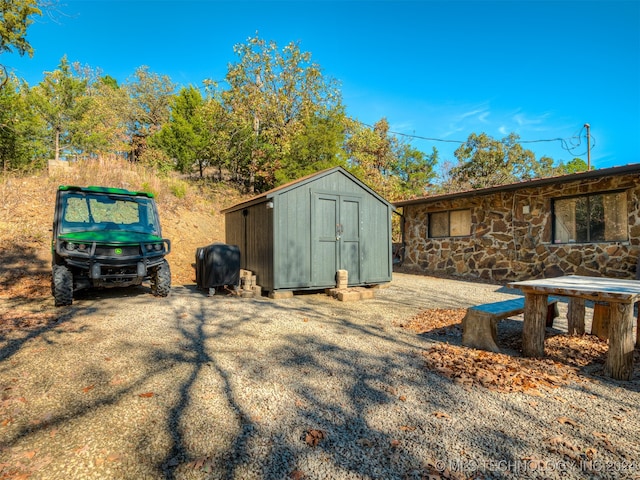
90, 212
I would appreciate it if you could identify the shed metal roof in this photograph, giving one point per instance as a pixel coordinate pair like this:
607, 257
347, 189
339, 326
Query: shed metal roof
296, 183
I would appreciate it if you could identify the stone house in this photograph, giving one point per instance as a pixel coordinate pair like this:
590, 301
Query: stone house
585, 223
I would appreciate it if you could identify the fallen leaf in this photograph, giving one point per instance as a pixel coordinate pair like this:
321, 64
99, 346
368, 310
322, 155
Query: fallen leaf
557, 440
395, 443
296, 475
402, 398
114, 457
30, 454
198, 463
88, 388
146, 395
81, 449
567, 421
406, 428
441, 415
313, 437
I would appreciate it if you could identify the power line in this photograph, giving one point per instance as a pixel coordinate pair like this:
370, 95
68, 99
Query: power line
569, 144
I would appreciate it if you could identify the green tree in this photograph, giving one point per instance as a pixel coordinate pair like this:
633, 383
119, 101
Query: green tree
573, 166
316, 146
273, 96
486, 162
100, 128
392, 167
61, 100
106, 121
186, 137
150, 96
20, 129
415, 171
15, 18
371, 153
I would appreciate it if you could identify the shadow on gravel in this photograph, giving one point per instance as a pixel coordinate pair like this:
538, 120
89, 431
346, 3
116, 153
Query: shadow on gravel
303, 358
352, 411
357, 402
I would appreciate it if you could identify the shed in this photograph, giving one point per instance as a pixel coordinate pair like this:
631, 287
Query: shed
297, 236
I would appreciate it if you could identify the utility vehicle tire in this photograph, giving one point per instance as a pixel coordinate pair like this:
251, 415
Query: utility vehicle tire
161, 280
62, 285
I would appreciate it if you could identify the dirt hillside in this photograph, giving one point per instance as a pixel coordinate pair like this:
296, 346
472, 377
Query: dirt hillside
189, 213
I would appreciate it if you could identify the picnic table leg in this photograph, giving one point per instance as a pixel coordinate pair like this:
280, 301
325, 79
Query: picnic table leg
600, 322
619, 363
575, 316
638, 327
535, 318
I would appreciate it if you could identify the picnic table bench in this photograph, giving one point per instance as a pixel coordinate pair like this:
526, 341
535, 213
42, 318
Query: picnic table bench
480, 324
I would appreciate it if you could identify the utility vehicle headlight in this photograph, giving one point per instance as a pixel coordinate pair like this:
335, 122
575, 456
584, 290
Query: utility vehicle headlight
82, 247
70, 246
157, 247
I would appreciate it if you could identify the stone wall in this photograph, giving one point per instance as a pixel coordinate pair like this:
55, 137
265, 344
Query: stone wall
507, 244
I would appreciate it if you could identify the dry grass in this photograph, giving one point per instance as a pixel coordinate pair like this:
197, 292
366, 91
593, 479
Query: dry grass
189, 213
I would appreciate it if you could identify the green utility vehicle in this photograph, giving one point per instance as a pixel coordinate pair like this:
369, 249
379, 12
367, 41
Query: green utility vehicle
107, 237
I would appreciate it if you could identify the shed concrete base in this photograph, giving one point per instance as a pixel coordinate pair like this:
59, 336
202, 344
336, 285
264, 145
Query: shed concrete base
350, 294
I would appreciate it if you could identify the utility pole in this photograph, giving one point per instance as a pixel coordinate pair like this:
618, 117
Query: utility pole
587, 126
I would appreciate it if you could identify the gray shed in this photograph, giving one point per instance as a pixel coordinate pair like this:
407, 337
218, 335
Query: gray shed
297, 236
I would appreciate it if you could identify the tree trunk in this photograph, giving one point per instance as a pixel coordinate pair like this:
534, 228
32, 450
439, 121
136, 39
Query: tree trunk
619, 364
575, 316
57, 145
535, 318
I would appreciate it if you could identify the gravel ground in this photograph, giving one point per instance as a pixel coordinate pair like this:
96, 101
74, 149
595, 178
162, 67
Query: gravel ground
128, 386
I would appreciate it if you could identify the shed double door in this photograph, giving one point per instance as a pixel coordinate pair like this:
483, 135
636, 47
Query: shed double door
335, 242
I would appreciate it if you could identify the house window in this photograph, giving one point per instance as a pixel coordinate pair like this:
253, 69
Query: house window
591, 218
453, 223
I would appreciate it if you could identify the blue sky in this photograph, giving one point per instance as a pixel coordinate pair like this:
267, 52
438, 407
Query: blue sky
437, 70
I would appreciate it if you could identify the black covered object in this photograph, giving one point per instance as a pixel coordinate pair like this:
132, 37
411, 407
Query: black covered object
217, 265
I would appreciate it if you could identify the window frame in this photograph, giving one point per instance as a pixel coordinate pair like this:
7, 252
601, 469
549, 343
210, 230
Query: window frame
448, 212
587, 196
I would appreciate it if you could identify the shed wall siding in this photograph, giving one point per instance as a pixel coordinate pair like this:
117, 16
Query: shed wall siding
253, 233
292, 239
507, 244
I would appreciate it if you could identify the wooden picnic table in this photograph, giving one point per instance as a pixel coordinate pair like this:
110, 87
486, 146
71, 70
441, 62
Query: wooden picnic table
620, 295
